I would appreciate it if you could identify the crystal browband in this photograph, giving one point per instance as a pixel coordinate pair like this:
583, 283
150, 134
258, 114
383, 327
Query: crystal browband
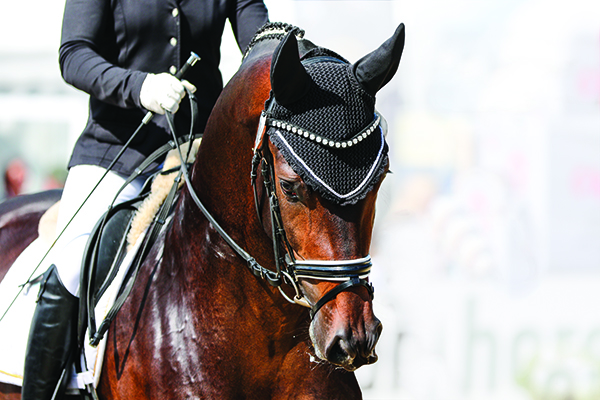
323, 140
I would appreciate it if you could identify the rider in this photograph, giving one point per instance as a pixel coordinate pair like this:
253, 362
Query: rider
124, 55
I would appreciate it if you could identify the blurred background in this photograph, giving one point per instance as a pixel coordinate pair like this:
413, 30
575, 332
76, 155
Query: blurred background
487, 242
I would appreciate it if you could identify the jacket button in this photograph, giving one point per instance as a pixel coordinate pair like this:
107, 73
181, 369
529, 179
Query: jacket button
173, 41
173, 70
175, 12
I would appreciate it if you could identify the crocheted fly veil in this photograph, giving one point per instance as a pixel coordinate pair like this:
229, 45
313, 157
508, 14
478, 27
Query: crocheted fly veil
321, 116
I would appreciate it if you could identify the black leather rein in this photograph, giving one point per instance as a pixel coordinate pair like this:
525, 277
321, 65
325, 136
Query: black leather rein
288, 270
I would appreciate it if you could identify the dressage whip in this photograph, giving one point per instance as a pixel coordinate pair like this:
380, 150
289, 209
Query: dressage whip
147, 118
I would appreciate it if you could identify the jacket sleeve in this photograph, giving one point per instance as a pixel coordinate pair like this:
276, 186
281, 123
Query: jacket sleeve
249, 16
86, 45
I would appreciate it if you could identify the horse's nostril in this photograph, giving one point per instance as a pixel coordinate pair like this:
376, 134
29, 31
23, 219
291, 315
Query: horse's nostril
368, 346
379, 328
376, 330
337, 352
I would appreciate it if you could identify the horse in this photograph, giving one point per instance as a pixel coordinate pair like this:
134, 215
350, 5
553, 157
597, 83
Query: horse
19, 218
294, 320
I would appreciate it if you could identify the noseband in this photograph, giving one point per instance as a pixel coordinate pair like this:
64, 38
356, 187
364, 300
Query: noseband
350, 272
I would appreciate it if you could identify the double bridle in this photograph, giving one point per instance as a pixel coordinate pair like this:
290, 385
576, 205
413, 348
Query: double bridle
289, 270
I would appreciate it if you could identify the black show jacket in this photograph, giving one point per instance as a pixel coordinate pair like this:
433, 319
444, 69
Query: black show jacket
109, 46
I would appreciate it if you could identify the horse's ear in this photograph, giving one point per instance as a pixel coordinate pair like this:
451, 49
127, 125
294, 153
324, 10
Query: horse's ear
376, 69
289, 79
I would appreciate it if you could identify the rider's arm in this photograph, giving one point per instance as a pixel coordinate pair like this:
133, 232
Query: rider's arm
249, 16
87, 32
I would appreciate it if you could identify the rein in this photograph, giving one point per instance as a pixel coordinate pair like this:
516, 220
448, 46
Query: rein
288, 270
258, 270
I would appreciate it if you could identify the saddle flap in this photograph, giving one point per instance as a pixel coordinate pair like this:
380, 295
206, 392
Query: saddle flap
105, 250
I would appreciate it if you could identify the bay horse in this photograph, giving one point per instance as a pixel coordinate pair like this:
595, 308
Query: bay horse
199, 323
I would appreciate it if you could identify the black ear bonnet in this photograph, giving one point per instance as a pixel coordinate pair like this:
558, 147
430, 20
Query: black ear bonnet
321, 116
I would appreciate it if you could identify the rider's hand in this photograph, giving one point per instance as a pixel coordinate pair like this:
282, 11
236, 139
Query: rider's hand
162, 92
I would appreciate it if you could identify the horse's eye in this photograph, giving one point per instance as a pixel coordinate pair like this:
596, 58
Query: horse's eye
289, 189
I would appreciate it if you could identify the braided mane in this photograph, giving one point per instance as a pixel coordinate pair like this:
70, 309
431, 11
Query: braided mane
272, 30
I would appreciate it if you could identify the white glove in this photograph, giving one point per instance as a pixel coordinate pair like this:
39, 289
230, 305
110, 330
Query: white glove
163, 92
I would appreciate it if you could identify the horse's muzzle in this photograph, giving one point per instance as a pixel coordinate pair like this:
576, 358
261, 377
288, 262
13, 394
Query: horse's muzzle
347, 346
351, 351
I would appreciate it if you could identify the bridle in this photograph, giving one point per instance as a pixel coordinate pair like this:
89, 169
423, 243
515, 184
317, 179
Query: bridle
290, 270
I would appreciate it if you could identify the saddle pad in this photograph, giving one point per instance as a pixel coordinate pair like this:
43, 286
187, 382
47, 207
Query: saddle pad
14, 327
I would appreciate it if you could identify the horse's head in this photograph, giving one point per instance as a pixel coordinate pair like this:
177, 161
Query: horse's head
324, 155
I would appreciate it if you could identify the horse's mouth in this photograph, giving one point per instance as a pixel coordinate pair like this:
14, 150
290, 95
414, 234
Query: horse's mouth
348, 362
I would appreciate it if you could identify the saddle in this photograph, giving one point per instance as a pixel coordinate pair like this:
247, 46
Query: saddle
116, 249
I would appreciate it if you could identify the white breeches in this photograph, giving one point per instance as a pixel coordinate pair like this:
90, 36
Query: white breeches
68, 251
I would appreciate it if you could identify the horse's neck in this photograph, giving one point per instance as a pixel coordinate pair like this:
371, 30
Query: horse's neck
221, 174
221, 177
